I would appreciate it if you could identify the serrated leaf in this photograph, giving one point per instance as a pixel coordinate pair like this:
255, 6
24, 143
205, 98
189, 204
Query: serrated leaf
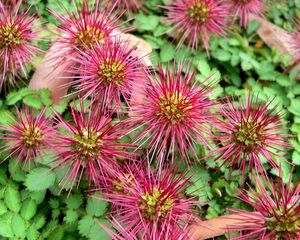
28, 209
19, 226
13, 97
296, 157
222, 55
3, 177
38, 197
12, 199
57, 233
6, 229
85, 224
167, 53
204, 68
71, 216
54, 203
146, 22
45, 95
5, 117
96, 207
252, 26
74, 201
39, 179
32, 233
3, 208
32, 101
39, 221
97, 232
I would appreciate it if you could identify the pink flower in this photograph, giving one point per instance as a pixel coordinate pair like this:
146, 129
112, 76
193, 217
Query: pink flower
89, 25
18, 34
129, 5
27, 135
197, 20
89, 145
277, 213
250, 131
175, 114
243, 8
109, 71
152, 205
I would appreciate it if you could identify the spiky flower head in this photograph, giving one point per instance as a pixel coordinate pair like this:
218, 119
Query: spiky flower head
175, 113
197, 20
89, 145
243, 8
18, 32
89, 25
250, 132
129, 5
27, 135
109, 71
277, 211
152, 205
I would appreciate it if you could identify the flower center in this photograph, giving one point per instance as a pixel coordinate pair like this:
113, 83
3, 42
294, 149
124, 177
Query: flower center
112, 71
249, 134
89, 37
118, 184
87, 143
154, 204
174, 107
32, 136
284, 221
10, 36
199, 11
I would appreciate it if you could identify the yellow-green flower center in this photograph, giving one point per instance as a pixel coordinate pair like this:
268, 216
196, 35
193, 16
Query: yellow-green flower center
88, 143
10, 36
249, 134
32, 136
112, 71
283, 221
89, 37
174, 107
153, 204
198, 11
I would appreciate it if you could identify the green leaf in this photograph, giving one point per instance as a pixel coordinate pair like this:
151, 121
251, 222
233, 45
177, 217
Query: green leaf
296, 157
295, 106
74, 201
71, 216
252, 26
39, 179
204, 68
57, 233
96, 207
38, 197
85, 224
222, 55
28, 209
3, 208
12, 199
97, 232
32, 101
39, 221
3, 177
167, 53
5, 117
146, 23
19, 226
6, 229
32, 233
12, 98
45, 95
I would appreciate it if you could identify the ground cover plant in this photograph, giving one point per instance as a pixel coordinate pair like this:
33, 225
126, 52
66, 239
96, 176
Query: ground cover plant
154, 119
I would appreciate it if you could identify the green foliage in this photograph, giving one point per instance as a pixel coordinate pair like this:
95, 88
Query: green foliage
40, 179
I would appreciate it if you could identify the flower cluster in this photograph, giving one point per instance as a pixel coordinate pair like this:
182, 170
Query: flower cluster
18, 36
277, 209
